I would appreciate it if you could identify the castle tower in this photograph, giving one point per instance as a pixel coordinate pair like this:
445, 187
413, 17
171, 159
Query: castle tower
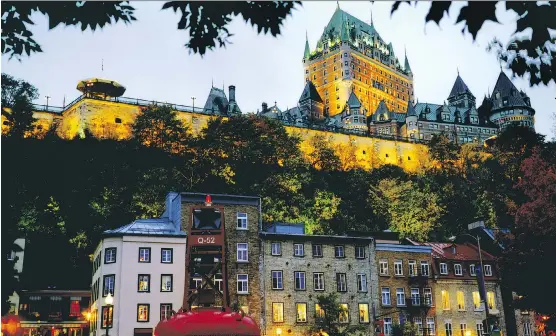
460, 95
350, 53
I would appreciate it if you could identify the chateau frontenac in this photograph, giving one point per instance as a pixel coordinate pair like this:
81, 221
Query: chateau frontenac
356, 93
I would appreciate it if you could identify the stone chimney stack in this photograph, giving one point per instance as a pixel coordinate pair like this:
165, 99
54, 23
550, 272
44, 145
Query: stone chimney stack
232, 90
265, 107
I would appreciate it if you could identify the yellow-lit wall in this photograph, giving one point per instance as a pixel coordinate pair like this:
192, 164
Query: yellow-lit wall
99, 118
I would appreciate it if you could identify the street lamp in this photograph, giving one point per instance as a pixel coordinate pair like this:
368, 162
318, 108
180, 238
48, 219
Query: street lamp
109, 301
478, 239
193, 98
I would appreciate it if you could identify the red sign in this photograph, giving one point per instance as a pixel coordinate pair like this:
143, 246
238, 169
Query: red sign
199, 240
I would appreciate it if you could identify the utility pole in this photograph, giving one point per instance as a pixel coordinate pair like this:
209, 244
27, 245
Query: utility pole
47, 99
193, 98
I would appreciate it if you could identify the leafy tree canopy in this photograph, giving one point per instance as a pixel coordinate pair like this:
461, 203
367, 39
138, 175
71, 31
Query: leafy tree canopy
206, 22
526, 54
329, 322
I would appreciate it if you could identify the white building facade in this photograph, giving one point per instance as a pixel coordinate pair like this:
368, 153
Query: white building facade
142, 266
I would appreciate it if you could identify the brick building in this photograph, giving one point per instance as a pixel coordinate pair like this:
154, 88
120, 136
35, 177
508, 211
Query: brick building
298, 267
405, 286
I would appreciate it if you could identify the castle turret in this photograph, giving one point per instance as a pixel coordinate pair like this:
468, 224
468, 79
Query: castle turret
307, 51
460, 95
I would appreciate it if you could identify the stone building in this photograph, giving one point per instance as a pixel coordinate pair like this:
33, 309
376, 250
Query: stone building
406, 286
460, 309
298, 267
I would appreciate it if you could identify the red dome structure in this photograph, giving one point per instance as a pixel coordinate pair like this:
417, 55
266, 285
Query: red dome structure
208, 322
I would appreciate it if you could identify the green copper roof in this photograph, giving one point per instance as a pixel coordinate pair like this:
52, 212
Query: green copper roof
310, 92
406, 66
353, 101
307, 52
339, 22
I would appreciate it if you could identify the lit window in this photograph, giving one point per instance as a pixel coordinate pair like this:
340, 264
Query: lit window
75, 308
398, 269
445, 300
166, 256
298, 250
383, 267
490, 301
480, 329
144, 283
145, 254
318, 281
107, 315
242, 283
166, 282
488, 270
277, 312
277, 282
344, 313
361, 282
242, 221
461, 300
301, 312
443, 268
476, 300
458, 269
386, 296
341, 282
165, 311
418, 324
319, 312
339, 252
276, 249
360, 250
110, 255
363, 313
242, 252
143, 312
400, 296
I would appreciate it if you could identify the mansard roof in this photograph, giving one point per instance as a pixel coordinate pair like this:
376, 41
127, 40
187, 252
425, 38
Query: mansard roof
382, 110
433, 109
310, 92
340, 20
459, 87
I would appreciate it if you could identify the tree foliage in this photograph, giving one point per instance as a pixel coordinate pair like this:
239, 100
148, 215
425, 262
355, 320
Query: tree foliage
531, 244
526, 54
206, 22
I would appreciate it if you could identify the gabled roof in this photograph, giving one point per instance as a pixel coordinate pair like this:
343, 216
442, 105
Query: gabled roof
310, 92
463, 251
382, 110
459, 87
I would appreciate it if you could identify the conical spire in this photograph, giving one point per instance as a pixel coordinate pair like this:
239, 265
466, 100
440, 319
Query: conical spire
307, 52
406, 65
337, 5
459, 87
410, 109
372, 17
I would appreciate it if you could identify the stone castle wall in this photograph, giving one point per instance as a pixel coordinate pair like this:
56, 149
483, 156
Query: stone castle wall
114, 120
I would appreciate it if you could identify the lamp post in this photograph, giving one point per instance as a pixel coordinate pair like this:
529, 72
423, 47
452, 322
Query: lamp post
478, 239
109, 300
193, 98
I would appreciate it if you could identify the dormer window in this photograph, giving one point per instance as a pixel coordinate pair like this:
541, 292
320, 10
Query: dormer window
445, 116
505, 101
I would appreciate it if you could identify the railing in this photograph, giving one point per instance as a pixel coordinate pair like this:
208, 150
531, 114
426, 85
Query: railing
419, 301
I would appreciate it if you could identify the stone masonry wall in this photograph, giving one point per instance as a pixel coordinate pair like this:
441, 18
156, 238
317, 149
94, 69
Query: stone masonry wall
327, 264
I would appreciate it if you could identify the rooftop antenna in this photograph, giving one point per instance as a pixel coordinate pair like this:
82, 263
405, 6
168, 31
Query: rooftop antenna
457, 68
212, 82
337, 4
64, 103
102, 65
371, 14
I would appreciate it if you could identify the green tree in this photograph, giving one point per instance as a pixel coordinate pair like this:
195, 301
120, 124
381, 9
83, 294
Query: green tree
444, 153
322, 155
414, 211
526, 55
329, 322
159, 127
17, 97
206, 22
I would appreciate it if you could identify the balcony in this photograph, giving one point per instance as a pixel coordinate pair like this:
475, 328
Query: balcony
419, 302
418, 280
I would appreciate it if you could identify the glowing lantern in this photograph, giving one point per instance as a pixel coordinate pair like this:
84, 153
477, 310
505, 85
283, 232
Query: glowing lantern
208, 200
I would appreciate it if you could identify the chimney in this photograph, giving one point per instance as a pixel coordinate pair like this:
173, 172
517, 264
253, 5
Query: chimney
232, 89
454, 249
265, 107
